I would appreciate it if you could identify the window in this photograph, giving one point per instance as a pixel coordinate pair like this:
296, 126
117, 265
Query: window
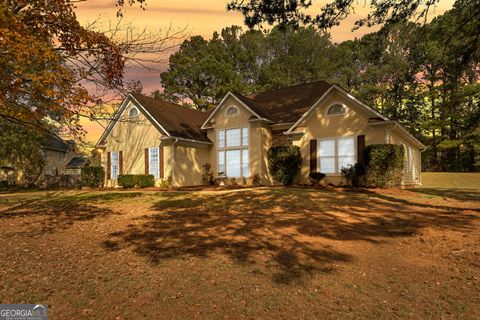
221, 162
232, 111
336, 109
153, 162
221, 138
409, 160
61, 156
133, 112
114, 165
233, 137
233, 155
336, 153
233, 163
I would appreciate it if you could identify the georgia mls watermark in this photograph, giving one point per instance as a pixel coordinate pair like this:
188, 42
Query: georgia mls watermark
23, 312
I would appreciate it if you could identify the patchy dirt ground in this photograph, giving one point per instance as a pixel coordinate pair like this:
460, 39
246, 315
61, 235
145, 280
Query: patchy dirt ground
255, 253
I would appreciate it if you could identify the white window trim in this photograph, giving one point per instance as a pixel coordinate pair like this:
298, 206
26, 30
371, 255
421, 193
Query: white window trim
157, 175
116, 163
337, 169
232, 115
131, 109
338, 114
241, 147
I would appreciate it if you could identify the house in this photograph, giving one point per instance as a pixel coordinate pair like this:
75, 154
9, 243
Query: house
330, 126
56, 154
75, 165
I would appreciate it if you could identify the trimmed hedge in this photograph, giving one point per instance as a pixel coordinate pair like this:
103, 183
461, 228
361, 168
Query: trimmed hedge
383, 165
316, 177
136, 180
93, 176
284, 163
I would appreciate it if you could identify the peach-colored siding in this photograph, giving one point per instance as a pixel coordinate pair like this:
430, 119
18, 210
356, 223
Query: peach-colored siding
318, 125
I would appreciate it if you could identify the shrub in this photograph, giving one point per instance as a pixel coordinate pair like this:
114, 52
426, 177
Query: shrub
126, 180
315, 177
93, 176
353, 174
383, 165
136, 180
207, 176
256, 179
144, 180
284, 163
166, 182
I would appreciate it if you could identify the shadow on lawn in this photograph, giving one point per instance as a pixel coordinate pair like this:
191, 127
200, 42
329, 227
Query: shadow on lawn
56, 211
280, 228
457, 194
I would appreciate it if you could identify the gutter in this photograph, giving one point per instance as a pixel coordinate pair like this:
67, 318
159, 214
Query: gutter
185, 139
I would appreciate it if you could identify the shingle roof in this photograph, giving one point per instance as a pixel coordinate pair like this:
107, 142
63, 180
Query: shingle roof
178, 121
54, 143
77, 162
286, 104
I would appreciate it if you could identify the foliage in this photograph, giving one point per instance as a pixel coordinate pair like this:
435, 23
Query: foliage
383, 165
126, 180
20, 148
424, 76
284, 163
202, 71
256, 180
315, 177
93, 176
166, 182
145, 180
295, 13
354, 174
207, 176
136, 180
48, 59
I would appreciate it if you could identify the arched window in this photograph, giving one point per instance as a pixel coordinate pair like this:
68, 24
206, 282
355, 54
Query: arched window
133, 112
232, 111
336, 109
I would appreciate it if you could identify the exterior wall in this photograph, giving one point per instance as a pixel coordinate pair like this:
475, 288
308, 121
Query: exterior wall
188, 166
259, 138
132, 136
55, 162
318, 125
411, 176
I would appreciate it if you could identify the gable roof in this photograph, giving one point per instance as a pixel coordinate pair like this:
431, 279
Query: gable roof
255, 108
51, 142
77, 162
174, 120
178, 121
289, 104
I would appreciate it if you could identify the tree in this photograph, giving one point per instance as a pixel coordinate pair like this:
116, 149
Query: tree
47, 58
202, 71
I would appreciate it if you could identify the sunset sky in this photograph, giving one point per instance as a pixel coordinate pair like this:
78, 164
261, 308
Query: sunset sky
199, 18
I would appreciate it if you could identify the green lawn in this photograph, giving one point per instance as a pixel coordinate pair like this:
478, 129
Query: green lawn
454, 180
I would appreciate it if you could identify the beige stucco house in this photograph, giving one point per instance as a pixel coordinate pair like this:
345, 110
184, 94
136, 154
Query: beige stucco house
330, 126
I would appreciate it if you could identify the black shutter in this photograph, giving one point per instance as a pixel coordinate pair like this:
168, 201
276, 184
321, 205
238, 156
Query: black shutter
313, 155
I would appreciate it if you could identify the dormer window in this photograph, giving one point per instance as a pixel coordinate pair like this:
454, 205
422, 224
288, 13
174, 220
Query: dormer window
133, 112
336, 109
232, 111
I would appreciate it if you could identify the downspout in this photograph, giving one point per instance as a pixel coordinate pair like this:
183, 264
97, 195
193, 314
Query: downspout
173, 161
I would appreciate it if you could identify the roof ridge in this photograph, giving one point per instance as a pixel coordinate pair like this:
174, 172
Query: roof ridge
171, 103
283, 88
